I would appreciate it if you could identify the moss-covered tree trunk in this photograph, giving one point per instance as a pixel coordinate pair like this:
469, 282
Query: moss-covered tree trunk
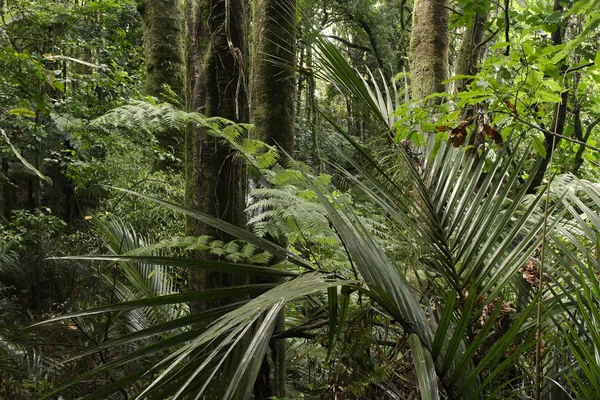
217, 79
163, 46
273, 109
429, 47
273, 85
163, 50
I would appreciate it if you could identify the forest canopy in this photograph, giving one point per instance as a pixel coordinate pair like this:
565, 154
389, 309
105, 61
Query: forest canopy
299, 199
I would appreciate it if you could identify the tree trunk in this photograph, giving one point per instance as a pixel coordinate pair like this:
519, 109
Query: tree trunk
163, 50
470, 51
273, 84
552, 137
215, 178
429, 47
162, 22
273, 112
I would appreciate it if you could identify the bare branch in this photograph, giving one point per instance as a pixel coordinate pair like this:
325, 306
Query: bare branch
348, 43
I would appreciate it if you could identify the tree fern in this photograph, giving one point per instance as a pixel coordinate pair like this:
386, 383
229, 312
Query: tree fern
151, 118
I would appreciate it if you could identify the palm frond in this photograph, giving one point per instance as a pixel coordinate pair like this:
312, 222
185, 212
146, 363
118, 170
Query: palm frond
146, 277
576, 291
469, 218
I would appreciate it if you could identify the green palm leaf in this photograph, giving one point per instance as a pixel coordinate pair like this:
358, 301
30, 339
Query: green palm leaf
473, 224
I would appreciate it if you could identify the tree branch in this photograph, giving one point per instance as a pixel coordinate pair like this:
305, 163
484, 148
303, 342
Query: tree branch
580, 67
301, 331
507, 27
486, 40
348, 43
578, 162
547, 132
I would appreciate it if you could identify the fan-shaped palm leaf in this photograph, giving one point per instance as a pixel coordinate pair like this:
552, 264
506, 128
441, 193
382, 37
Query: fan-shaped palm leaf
472, 223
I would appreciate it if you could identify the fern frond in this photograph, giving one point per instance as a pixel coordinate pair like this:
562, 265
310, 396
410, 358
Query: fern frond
235, 250
144, 116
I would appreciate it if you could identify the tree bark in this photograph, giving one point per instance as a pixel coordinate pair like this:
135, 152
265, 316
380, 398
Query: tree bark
163, 50
163, 46
429, 47
470, 51
217, 79
273, 85
273, 113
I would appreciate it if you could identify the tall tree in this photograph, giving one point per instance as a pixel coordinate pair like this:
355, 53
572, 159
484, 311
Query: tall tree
429, 47
163, 49
471, 49
273, 112
273, 85
217, 87
163, 46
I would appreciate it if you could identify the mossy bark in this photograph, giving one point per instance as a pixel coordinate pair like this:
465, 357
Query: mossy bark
163, 46
273, 85
215, 178
273, 112
429, 47
163, 50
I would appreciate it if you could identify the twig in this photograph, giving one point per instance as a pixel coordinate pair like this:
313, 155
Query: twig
578, 156
547, 132
579, 67
439, 3
301, 331
538, 345
507, 27
483, 43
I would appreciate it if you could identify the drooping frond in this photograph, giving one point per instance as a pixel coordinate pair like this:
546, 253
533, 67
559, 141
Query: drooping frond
575, 289
142, 279
472, 224
153, 118
145, 116
225, 353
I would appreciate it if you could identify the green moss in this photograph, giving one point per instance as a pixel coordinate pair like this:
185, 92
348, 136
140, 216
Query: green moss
163, 46
429, 47
273, 85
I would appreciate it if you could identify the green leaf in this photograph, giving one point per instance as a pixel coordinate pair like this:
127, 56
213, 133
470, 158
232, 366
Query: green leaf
23, 160
24, 112
206, 294
191, 263
539, 147
428, 385
231, 229
442, 330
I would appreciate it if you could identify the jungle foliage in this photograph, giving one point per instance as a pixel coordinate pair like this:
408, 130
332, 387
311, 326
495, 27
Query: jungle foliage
433, 244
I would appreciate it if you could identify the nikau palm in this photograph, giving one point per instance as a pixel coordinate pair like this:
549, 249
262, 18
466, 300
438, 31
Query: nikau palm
466, 215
